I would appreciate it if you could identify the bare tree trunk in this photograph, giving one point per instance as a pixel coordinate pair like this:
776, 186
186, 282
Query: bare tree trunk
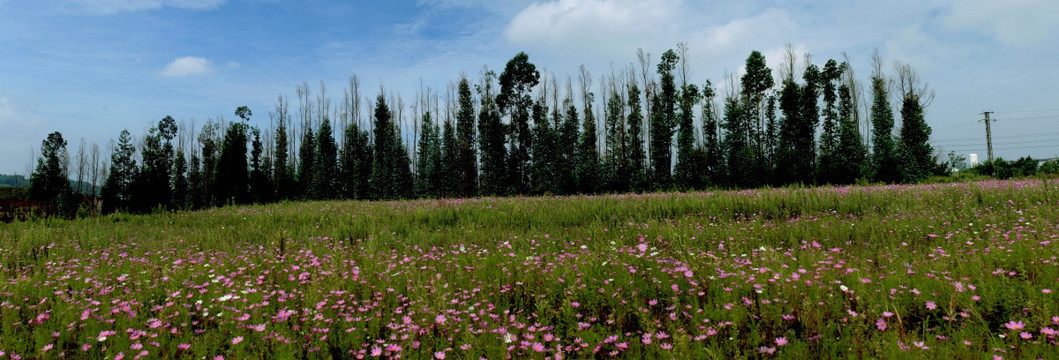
82, 162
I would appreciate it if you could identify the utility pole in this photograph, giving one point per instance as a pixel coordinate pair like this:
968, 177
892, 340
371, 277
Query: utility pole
988, 134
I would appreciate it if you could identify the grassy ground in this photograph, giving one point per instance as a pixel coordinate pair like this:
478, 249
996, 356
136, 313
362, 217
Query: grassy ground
964, 270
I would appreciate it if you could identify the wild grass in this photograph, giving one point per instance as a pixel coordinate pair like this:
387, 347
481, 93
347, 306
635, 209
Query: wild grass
964, 270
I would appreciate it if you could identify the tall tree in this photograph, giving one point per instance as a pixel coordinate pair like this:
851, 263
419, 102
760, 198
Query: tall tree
547, 159
356, 163
115, 192
283, 173
616, 159
917, 156
391, 176
851, 155
739, 155
181, 186
151, 188
325, 167
663, 121
805, 138
916, 153
885, 159
713, 156
231, 179
306, 161
466, 154
637, 157
450, 175
428, 180
686, 170
827, 169
491, 142
516, 82
756, 82
50, 184
586, 171
261, 187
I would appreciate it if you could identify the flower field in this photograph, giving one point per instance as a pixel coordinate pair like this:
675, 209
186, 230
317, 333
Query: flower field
966, 270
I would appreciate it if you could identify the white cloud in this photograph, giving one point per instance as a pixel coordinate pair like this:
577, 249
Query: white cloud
592, 26
107, 7
187, 66
1013, 22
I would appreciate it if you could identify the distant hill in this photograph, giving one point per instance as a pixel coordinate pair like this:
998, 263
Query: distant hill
19, 181
13, 181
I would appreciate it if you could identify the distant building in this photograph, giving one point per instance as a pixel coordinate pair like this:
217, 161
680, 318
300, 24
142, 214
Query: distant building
972, 160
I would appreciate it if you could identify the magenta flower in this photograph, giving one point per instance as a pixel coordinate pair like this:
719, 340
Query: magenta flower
1025, 335
1012, 325
237, 339
538, 347
880, 324
931, 305
780, 341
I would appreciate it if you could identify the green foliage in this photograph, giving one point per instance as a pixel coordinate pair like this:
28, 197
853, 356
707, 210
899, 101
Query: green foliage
663, 121
282, 172
391, 174
885, 161
516, 82
355, 163
231, 178
917, 156
687, 171
637, 167
261, 187
1000, 169
466, 152
739, 155
547, 158
491, 141
587, 169
116, 189
428, 181
150, 188
828, 168
713, 152
325, 165
850, 156
181, 187
306, 162
449, 158
49, 185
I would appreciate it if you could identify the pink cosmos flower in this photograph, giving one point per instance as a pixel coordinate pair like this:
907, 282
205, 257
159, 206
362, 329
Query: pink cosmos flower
440, 319
1012, 325
880, 324
1025, 335
931, 305
237, 339
780, 341
184, 346
538, 347
440, 355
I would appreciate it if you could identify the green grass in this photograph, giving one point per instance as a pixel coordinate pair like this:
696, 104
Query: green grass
722, 275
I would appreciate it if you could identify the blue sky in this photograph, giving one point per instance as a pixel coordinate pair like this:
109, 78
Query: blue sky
90, 68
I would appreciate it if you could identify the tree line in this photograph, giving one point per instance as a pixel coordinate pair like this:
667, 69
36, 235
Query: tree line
646, 127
